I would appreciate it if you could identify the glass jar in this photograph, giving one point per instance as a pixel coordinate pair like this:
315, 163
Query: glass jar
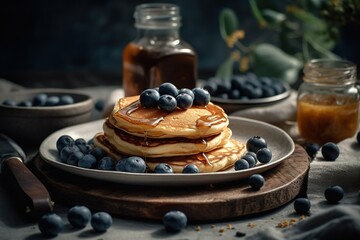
328, 101
158, 54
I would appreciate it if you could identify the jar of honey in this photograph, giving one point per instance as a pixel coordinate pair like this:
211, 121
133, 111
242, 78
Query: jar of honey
158, 54
328, 101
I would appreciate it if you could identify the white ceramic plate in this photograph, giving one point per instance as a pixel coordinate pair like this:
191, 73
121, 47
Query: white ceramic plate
278, 141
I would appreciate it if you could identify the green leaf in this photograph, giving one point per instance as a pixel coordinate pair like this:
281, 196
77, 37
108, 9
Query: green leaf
228, 22
257, 13
225, 70
314, 28
269, 60
273, 17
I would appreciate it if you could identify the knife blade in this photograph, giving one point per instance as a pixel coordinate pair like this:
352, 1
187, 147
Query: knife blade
30, 194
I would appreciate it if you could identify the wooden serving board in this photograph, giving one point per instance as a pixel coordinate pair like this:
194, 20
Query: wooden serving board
210, 202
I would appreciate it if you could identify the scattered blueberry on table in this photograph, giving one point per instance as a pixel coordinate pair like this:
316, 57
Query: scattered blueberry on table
79, 216
302, 205
101, 221
330, 151
50, 224
312, 149
174, 221
256, 181
334, 194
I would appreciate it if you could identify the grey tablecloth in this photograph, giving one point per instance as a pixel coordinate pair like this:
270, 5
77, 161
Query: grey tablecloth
325, 221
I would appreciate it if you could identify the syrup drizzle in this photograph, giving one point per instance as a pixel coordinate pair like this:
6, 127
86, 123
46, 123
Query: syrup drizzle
150, 122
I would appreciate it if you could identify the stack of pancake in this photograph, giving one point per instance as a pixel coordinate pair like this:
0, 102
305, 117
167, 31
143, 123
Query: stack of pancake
199, 135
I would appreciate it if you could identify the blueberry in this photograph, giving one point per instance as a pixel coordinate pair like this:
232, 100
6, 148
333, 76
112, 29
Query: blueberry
234, 94
106, 163
191, 168
241, 164
98, 153
83, 145
80, 141
64, 140
163, 168
358, 137
9, 102
312, 149
101, 221
99, 104
131, 164
265, 81
253, 155
211, 87
334, 194
149, 98
25, 103
187, 91
168, 89
67, 151
250, 159
74, 158
184, 101
66, 100
278, 88
330, 151
167, 103
88, 161
79, 216
223, 88
52, 101
255, 143
50, 224
40, 99
174, 221
237, 82
302, 205
256, 181
264, 155
267, 91
201, 97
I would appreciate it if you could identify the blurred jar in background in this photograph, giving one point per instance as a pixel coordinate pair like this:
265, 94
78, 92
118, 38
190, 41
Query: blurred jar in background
158, 54
328, 101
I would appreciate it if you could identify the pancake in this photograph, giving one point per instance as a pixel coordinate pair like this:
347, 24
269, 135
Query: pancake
196, 122
216, 160
162, 147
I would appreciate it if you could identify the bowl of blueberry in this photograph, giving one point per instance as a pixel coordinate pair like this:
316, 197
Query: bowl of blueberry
29, 116
246, 91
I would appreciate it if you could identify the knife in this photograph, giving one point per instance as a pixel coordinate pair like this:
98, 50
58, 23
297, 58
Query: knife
30, 193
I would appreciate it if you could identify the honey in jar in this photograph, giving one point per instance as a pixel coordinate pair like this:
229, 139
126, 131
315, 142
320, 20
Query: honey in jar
158, 54
328, 101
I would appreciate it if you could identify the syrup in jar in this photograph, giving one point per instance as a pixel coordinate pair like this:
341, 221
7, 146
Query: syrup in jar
328, 101
158, 54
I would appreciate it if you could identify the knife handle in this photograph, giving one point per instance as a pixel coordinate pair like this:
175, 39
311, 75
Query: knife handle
29, 191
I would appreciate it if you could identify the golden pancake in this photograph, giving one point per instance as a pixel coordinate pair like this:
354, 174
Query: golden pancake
213, 161
162, 147
196, 122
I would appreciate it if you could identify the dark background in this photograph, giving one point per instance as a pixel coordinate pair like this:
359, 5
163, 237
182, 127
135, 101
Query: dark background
79, 43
